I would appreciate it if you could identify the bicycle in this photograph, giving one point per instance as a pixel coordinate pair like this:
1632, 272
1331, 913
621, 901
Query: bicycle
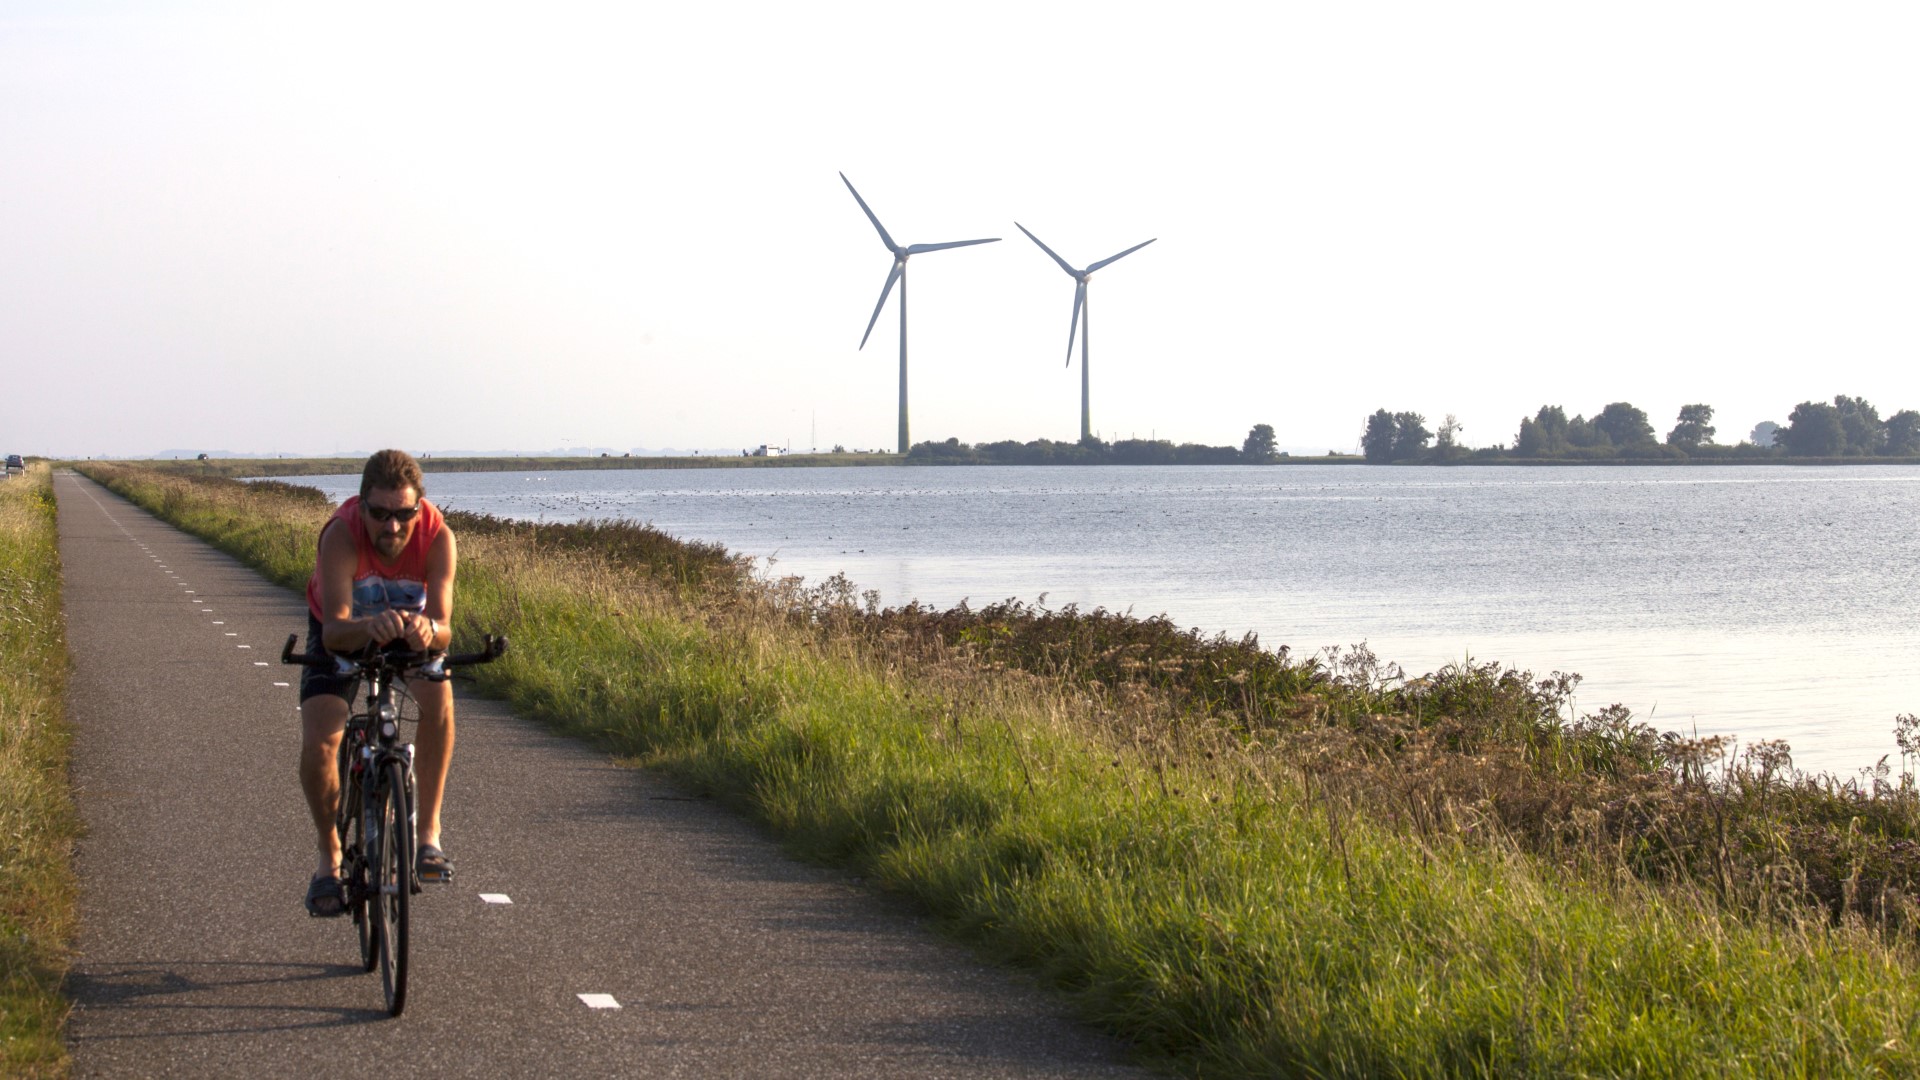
375, 813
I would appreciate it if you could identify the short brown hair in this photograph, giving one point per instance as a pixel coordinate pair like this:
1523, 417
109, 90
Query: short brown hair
393, 470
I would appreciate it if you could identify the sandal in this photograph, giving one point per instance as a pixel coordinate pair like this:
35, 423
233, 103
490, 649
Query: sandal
326, 898
432, 866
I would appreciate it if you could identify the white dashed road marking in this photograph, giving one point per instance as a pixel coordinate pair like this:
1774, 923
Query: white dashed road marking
598, 1001
496, 898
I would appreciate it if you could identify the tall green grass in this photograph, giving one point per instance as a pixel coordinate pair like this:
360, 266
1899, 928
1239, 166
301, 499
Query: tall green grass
37, 821
1232, 899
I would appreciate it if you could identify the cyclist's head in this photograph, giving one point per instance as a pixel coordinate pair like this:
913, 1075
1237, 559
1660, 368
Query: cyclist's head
394, 470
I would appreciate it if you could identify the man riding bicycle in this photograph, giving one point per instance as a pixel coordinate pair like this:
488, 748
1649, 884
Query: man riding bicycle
383, 575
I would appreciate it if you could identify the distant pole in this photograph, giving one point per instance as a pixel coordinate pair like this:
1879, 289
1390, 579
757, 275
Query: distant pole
1086, 329
903, 360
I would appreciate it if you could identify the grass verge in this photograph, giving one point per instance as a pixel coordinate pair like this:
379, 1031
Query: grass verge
37, 820
1320, 882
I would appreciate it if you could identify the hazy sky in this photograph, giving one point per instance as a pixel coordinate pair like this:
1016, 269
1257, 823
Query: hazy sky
474, 226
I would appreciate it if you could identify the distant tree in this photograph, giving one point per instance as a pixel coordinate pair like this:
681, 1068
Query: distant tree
1814, 429
1449, 434
1410, 435
1544, 435
1763, 433
1903, 433
1376, 443
1865, 433
1528, 442
1584, 433
1259, 445
1624, 424
1695, 427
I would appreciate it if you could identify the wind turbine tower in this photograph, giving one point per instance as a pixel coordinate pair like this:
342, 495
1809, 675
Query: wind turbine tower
1082, 317
899, 274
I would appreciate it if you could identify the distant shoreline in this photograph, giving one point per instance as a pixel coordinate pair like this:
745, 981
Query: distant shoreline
246, 467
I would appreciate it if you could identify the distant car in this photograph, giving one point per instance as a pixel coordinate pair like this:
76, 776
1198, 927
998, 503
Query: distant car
14, 462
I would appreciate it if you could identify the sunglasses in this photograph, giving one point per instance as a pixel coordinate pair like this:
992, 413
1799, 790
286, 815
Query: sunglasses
381, 513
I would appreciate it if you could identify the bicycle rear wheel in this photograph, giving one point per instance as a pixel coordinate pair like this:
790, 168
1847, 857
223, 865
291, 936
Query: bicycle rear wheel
347, 813
390, 874
350, 819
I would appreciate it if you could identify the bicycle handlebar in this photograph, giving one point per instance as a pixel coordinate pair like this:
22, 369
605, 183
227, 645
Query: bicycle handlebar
496, 647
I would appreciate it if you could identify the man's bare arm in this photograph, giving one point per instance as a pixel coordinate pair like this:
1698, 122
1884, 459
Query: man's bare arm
433, 630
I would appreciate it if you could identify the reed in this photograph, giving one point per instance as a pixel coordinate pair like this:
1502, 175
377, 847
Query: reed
1243, 862
37, 820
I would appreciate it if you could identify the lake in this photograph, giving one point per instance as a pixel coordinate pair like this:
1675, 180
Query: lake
1772, 602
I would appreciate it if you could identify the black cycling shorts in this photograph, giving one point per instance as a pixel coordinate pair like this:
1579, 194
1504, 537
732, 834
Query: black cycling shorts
317, 681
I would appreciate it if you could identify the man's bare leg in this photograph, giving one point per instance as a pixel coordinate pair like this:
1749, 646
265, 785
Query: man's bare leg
323, 718
432, 753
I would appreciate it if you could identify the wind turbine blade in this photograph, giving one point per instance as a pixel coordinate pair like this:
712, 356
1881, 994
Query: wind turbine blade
1071, 272
881, 229
1117, 258
921, 249
1079, 298
899, 267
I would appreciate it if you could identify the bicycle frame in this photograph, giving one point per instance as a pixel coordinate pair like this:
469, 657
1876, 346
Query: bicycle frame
379, 745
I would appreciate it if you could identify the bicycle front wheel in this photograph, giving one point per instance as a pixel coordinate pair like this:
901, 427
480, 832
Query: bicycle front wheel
390, 871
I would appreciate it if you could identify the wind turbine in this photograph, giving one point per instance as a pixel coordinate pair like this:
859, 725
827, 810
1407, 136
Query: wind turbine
1082, 316
899, 274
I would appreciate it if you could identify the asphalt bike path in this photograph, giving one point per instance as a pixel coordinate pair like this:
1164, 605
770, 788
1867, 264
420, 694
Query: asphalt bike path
602, 923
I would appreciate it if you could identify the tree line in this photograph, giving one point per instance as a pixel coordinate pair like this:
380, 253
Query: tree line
1088, 451
1846, 427
1260, 447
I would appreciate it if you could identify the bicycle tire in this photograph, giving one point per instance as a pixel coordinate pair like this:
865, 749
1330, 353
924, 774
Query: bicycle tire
390, 872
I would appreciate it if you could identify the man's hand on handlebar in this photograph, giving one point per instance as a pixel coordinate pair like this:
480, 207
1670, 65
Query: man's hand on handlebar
391, 626
419, 633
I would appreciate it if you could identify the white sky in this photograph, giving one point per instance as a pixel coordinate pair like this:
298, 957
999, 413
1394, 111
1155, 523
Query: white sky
473, 226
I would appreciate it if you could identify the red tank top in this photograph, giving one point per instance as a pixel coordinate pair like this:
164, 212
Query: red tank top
379, 586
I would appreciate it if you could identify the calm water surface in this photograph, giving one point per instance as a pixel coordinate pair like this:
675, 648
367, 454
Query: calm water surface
1770, 602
